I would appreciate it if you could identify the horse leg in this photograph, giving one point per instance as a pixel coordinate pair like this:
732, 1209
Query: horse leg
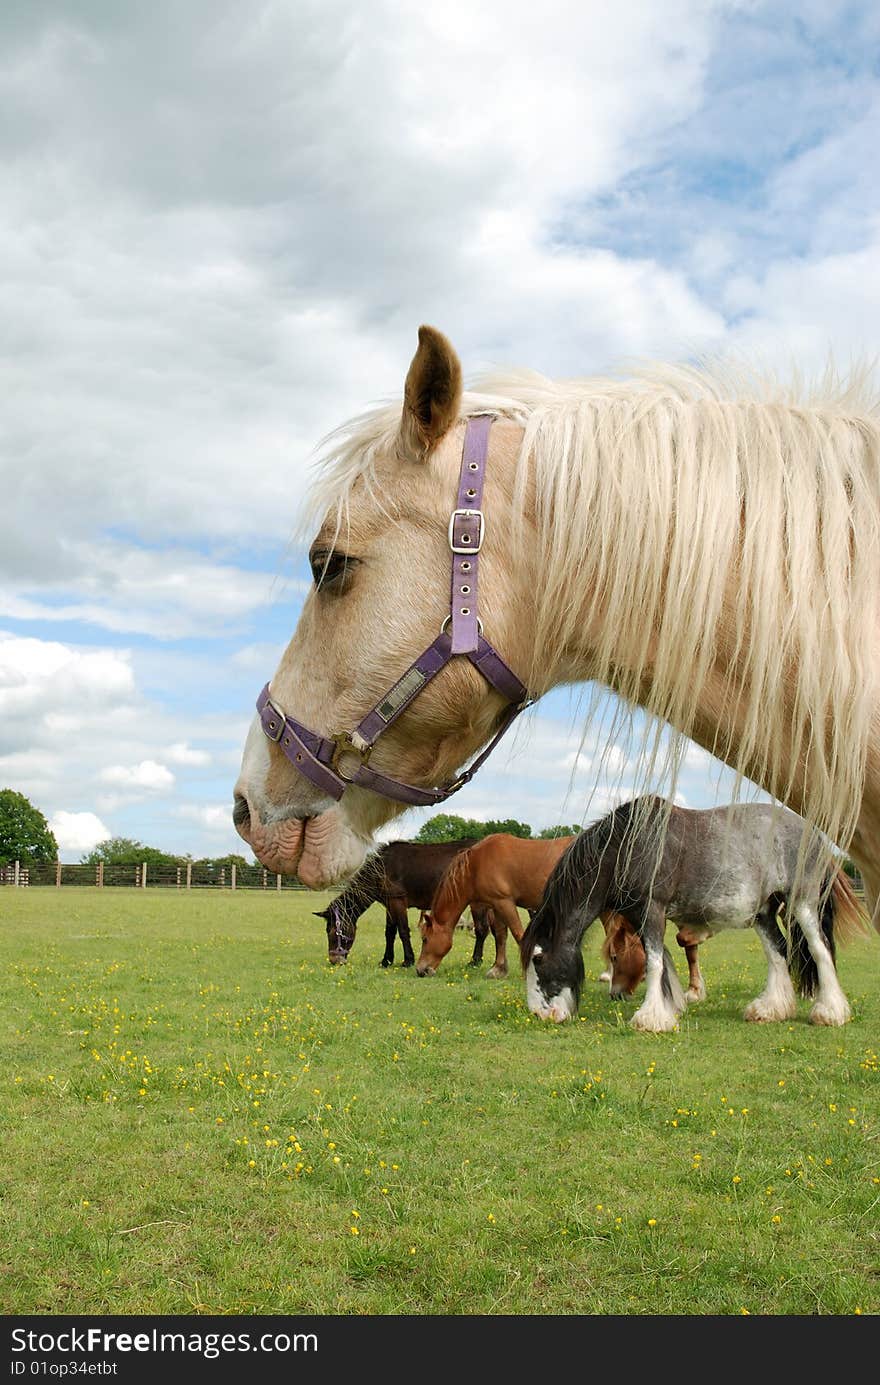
696, 985
609, 922
664, 998
390, 930
400, 924
831, 1006
505, 916
777, 1001
481, 918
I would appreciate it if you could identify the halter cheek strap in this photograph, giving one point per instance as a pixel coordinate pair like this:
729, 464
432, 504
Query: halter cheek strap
320, 758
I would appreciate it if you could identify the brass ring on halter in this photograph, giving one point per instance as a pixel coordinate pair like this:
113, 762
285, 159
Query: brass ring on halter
449, 618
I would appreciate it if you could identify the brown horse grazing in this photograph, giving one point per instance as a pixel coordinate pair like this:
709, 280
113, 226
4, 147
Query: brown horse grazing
623, 951
501, 873
402, 876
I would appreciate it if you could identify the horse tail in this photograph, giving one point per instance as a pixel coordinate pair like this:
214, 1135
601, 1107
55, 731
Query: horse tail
801, 964
848, 911
670, 983
453, 892
842, 918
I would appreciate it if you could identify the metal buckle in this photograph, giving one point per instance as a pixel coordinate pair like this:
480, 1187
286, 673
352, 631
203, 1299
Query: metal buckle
468, 547
344, 746
445, 626
279, 717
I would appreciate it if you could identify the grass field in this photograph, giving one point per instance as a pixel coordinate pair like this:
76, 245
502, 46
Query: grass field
201, 1116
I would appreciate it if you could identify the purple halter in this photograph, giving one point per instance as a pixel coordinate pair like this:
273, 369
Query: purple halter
319, 757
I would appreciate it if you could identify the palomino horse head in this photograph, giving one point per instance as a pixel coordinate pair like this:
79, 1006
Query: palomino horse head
340, 933
436, 942
381, 565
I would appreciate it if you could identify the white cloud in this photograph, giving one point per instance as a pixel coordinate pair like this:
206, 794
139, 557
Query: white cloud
148, 775
77, 831
215, 816
182, 753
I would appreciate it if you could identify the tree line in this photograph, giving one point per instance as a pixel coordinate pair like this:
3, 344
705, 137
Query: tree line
447, 827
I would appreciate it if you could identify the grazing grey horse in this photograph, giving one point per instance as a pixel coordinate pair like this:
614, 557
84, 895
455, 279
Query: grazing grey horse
740, 866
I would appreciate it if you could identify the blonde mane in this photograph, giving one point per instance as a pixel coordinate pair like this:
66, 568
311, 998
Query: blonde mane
658, 497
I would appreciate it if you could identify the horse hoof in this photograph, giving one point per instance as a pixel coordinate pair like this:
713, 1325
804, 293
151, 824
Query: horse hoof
496, 973
408, 962
386, 962
759, 1012
694, 997
654, 1023
830, 1014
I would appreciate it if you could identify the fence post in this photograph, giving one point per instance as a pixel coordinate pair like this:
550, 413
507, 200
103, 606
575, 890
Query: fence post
265, 879
100, 875
16, 875
233, 875
144, 875
189, 875
223, 877
57, 874
278, 883
178, 877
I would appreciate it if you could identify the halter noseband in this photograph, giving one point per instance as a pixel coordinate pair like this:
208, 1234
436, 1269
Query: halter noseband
319, 757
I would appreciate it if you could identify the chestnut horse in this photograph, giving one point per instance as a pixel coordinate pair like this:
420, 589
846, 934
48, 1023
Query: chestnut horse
501, 873
704, 544
402, 876
625, 955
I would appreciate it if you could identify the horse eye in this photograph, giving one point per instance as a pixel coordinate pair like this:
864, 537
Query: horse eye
331, 571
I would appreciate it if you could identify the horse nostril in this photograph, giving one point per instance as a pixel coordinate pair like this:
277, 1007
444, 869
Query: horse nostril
241, 813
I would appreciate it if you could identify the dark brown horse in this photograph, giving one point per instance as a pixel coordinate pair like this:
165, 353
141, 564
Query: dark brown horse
401, 876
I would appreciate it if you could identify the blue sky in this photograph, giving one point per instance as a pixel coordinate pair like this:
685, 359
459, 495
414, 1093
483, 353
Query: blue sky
220, 226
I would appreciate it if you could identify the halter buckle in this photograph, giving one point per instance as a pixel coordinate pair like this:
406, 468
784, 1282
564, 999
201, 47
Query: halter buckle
468, 547
345, 746
269, 724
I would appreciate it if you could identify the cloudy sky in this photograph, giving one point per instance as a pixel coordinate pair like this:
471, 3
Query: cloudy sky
220, 227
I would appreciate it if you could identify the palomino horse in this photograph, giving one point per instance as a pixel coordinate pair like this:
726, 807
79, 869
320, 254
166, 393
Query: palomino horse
706, 546
402, 876
731, 867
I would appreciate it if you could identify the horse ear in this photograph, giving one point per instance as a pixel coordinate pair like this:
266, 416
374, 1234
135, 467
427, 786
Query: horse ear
321, 913
431, 395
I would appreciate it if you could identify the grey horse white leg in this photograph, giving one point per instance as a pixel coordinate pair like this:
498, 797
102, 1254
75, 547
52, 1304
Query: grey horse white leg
664, 998
831, 1005
777, 1001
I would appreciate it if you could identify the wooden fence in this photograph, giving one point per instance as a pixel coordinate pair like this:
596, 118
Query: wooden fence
187, 875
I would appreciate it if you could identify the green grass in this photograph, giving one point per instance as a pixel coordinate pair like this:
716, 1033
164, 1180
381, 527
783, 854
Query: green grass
199, 1114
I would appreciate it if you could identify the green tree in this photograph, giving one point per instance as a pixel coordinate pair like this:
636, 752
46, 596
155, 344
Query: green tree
447, 827
509, 825
24, 832
552, 832
124, 851
214, 864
